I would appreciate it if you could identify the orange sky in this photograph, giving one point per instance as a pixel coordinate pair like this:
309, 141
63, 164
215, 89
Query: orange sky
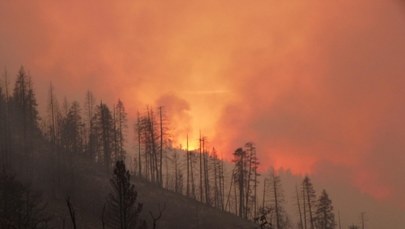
310, 82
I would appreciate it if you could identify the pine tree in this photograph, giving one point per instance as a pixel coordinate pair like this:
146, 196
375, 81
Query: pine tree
123, 210
71, 142
5, 122
53, 130
120, 127
300, 222
2, 128
90, 130
161, 136
20, 207
324, 216
309, 200
25, 105
103, 123
71, 131
25, 119
245, 177
138, 132
239, 176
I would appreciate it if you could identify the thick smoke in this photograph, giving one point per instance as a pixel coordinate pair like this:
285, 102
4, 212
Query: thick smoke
328, 88
312, 83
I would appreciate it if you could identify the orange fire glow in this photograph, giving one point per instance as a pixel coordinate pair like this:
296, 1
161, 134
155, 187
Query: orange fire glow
304, 81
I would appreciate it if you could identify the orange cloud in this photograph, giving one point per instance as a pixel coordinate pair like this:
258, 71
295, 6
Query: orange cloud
307, 81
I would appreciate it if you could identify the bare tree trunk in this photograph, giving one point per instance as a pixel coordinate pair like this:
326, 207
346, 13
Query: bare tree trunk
71, 212
305, 211
192, 175
150, 146
115, 134
299, 207
237, 203
103, 217
188, 169
161, 148
154, 153
6, 139
276, 199
206, 177
138, 128
216, 191
222, 184
249, 158
229, 193
167, 171
362, 220
176, 173
264, 193
241, 187
310, 210
201, 172
155, 219
53, 134
255, 194
90, 112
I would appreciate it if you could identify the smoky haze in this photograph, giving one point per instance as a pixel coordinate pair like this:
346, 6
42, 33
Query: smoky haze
315, 84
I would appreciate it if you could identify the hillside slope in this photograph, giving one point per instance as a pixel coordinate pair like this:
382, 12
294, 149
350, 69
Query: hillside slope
180, 211
183, 212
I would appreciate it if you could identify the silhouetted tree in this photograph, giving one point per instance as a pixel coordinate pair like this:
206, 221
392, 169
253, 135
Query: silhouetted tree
120, 127
245, 176
205, 171
25, 119
193, 160
178, 175
123, 211
324, 216
252, 164
153, 143
104, 125
275, 200
363, 219
71, 143
155, 219
53, 132
72, 212
3, 105
19, 206
91, 132
161, 136
24, 101
299, 206
5, 144
149, 139
71, 131
239, 177
218, 176
221, 182
309, 200
138, 132
188, 165
201, 170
